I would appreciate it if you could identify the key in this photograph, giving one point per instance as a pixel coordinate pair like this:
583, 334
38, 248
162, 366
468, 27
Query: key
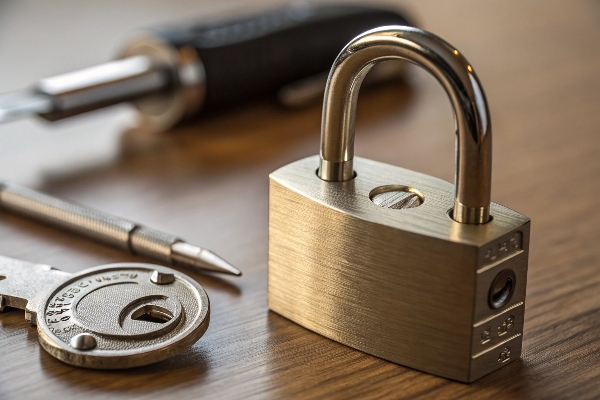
107, 317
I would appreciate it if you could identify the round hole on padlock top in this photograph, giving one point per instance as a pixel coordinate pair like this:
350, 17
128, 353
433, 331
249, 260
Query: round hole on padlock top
450, 214
397, 197
354, 176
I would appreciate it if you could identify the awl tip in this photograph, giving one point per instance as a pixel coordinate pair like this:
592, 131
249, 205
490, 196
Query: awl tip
192, 256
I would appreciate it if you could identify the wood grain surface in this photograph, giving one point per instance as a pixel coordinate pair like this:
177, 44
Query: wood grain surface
539, 62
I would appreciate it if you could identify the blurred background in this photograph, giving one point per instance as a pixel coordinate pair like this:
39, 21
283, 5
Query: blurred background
40, 39
208, 182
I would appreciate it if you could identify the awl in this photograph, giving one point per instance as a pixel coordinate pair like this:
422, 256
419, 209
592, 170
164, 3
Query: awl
111, 230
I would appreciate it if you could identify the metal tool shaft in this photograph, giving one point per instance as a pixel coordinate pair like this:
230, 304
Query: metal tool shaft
102, 85
109, 229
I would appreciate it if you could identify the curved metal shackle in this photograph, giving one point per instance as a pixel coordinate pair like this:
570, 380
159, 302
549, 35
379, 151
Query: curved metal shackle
452, 70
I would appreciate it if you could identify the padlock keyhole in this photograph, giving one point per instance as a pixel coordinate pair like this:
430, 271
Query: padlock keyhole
152, 313
502, 289
501, 295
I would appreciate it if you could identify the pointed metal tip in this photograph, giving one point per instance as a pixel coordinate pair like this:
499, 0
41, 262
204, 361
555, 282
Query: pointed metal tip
195, 257
217, 264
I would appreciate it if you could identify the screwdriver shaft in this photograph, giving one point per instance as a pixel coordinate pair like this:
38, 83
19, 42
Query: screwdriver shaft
109, 229
87, 89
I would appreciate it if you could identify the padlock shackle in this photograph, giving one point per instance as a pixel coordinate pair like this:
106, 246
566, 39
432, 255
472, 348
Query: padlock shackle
452, 70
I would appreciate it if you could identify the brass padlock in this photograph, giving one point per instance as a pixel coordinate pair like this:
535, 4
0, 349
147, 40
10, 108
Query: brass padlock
398, 264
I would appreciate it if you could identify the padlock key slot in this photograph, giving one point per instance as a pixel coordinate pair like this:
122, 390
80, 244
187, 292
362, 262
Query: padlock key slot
502, 289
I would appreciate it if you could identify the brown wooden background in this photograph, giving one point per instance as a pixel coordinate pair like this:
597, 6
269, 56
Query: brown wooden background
539, 62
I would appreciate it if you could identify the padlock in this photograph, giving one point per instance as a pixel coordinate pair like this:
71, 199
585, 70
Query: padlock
392, 262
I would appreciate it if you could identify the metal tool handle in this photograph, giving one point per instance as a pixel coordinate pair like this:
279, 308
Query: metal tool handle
173, 74
452, 70
253, 57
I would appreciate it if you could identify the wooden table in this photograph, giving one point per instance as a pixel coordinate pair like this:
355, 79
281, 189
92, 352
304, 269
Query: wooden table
540, 65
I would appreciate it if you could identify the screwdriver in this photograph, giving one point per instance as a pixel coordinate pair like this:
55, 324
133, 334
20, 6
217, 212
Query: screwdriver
175, 74
109, 229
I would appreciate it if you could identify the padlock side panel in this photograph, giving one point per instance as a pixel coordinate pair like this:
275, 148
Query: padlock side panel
500, 292
399, 295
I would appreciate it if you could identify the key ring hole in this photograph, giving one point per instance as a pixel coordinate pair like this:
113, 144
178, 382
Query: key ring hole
152, 313
502, 289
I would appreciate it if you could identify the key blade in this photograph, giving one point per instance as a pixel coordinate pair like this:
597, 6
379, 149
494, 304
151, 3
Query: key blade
23, 104
23, 283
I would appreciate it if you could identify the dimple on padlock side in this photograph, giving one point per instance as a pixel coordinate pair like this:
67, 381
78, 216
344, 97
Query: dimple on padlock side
398, 284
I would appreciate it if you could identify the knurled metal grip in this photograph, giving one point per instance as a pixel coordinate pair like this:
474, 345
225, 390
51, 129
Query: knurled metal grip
118, 232
452, 71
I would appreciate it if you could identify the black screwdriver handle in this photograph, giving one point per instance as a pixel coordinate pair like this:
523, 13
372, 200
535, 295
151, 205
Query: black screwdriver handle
251, 58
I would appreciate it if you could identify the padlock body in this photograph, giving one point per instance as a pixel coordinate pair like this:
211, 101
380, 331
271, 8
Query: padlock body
411, 286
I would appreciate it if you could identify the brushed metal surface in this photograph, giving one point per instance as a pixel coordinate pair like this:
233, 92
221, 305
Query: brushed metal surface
405, 285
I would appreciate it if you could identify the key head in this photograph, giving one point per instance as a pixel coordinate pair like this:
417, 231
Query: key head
122, 315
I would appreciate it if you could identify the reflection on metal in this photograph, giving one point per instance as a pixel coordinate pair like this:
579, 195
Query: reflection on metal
474, 135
